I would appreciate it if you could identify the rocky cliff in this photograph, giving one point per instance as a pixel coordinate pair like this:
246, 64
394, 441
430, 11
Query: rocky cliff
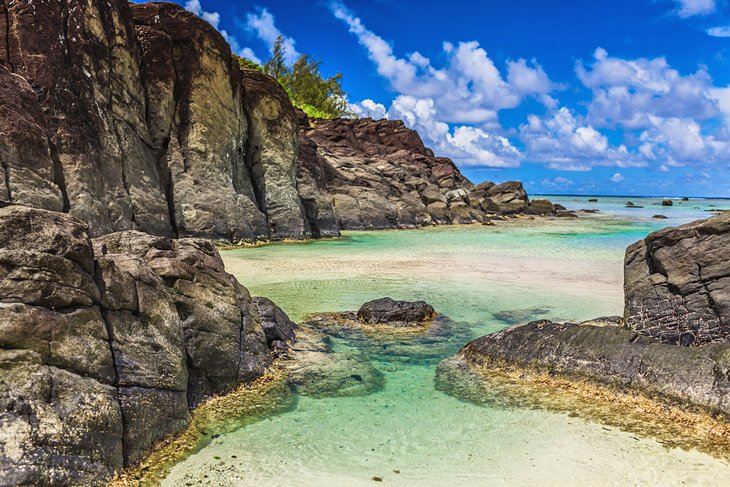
137, 117
106, 344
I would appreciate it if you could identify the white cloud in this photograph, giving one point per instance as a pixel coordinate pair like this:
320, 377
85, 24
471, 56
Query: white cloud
262, 24
627, 92
617, 178
641, 112
248, 53
214, 19
679, 141
558, 182
369, 109
467, 91
690, 8
466, 144
720, 31
567, 142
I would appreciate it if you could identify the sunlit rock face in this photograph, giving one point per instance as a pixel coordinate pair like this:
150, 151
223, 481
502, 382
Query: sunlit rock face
107, 344
137, 117
677, 283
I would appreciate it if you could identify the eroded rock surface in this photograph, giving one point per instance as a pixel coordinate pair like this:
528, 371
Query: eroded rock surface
396, 313
106, 345
606, 352
373, 174
677, 283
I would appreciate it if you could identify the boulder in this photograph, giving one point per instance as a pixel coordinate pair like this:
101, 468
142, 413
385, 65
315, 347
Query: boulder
276, 323
677, 283
541, 206
667, 203
389, 311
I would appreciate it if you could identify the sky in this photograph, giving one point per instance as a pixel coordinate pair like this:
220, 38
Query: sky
602, 97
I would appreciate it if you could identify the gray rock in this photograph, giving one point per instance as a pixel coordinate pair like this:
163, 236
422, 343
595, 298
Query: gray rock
389, 311
605, 352
105, 347
276, 323
677, 283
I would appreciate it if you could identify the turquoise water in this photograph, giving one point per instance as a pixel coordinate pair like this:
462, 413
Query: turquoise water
407, 433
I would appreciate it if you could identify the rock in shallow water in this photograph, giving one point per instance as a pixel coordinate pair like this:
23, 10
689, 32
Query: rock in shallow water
315, 370
396, 313
605, 352
677, 283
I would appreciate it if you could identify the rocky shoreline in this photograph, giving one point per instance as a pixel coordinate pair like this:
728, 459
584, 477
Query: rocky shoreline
139, 118
670, 349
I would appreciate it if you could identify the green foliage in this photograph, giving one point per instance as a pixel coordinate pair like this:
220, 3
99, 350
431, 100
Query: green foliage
247, 63
308, 89
275, 66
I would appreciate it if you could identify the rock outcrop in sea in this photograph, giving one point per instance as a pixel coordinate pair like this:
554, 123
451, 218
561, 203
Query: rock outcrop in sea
677, 283
137, 117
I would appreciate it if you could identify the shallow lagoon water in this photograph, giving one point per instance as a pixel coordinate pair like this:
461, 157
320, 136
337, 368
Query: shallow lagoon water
408, 433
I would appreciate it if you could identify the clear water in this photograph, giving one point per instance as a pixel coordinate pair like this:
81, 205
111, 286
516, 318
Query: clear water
410, 434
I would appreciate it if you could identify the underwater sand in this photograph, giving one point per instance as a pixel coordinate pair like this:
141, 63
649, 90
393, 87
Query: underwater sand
485, 278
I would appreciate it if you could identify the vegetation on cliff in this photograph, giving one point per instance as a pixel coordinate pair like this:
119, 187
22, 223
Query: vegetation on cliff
318, 96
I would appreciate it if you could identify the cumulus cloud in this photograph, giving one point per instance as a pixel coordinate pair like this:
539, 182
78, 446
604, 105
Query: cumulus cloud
467, 144
369, 109
680, 141
262, 24
617, 178
214, 19
640, 112
467, 91
627, 92
690, 8
565, 141
556, 183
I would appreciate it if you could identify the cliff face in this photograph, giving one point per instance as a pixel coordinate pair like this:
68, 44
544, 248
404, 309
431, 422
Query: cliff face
106, 345
137, 117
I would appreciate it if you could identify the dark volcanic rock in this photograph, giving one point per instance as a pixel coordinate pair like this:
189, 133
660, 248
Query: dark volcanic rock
368, 174
607, 353
137, 117
677, 283
667, 203
389, 311
276, 323
224, 341
105, 346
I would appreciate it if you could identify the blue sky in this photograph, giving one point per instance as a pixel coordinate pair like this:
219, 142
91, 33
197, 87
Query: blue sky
602, 97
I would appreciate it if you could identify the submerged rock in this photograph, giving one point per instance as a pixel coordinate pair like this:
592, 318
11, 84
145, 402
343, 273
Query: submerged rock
396, 313
315, 370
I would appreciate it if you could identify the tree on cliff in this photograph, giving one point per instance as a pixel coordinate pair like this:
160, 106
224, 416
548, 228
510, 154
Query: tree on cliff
308, 89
